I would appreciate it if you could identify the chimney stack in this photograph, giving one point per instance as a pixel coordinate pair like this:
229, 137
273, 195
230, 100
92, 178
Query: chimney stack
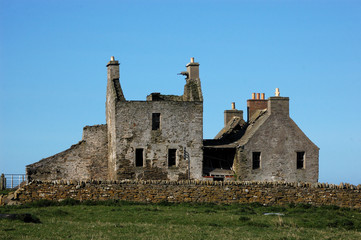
113, 85
229, 114
113, 69
192, 89
258, 102
279, 106
193, 70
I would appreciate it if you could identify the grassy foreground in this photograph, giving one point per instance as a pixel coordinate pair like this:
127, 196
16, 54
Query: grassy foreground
124, 220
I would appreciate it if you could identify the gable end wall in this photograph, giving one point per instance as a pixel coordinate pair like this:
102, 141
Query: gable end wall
278, 140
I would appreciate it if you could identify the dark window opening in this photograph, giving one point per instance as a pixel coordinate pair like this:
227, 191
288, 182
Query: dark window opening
218, 162
217, 158
155, 121
256, 160
300, 160
172, 157
139, 157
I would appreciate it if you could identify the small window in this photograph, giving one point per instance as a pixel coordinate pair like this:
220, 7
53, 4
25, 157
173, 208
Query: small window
256, 160
155, 121
139, 157
300, 160
172, 157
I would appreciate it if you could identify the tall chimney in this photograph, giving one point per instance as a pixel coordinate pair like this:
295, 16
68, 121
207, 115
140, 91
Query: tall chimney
193, 69
113, 69
255, 104
192, 89
113, 85
229, 114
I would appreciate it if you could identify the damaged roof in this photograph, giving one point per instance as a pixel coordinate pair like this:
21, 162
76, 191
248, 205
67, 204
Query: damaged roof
257, 119
237, 132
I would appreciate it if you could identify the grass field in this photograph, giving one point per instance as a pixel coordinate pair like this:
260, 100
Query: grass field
124, 220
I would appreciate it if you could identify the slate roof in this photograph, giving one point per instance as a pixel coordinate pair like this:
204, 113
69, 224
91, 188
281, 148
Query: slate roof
237, 132
229, 128
256, 121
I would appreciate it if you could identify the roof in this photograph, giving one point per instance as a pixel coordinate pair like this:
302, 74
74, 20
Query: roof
237, 132
233, 131
256, 121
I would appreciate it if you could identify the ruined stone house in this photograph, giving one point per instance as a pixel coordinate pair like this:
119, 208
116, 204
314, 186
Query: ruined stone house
162, 138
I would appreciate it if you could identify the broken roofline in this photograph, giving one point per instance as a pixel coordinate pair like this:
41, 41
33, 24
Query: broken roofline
192, 88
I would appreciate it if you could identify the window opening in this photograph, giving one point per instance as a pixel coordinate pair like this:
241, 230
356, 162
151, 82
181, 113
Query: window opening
139, 157
172, 157
300, 160
256, 160
155, 121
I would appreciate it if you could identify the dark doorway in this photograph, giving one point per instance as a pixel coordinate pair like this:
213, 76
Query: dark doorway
217, 158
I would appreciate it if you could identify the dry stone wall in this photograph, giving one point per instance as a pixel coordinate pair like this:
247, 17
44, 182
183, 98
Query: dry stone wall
195, 191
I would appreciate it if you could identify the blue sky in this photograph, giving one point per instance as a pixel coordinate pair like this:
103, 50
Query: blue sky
53, 75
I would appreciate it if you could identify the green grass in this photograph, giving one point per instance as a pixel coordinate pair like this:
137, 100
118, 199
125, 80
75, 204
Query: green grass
5, 191
126, 220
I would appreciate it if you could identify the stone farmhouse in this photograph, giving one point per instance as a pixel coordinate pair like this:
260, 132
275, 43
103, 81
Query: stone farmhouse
162, 139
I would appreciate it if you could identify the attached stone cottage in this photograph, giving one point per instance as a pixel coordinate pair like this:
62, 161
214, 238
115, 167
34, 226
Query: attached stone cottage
162, 138
268, 147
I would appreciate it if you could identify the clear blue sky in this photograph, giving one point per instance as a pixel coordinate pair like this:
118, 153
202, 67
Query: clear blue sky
53, 76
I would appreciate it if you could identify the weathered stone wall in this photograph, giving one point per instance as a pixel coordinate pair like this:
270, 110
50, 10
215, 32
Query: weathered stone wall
83, 161
343, 195
181, 128
96, 151
278, 140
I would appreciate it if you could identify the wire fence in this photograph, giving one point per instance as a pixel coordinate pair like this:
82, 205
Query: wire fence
14, 180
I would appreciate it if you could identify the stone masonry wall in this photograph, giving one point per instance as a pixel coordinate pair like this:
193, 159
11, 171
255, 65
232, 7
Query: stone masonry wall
64, 165
181, 128
82, 161
96, 152
269, 193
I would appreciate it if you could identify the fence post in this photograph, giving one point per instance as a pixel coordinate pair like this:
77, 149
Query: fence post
2, 182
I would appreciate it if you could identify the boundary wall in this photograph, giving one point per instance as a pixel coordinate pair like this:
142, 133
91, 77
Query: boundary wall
195, 191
